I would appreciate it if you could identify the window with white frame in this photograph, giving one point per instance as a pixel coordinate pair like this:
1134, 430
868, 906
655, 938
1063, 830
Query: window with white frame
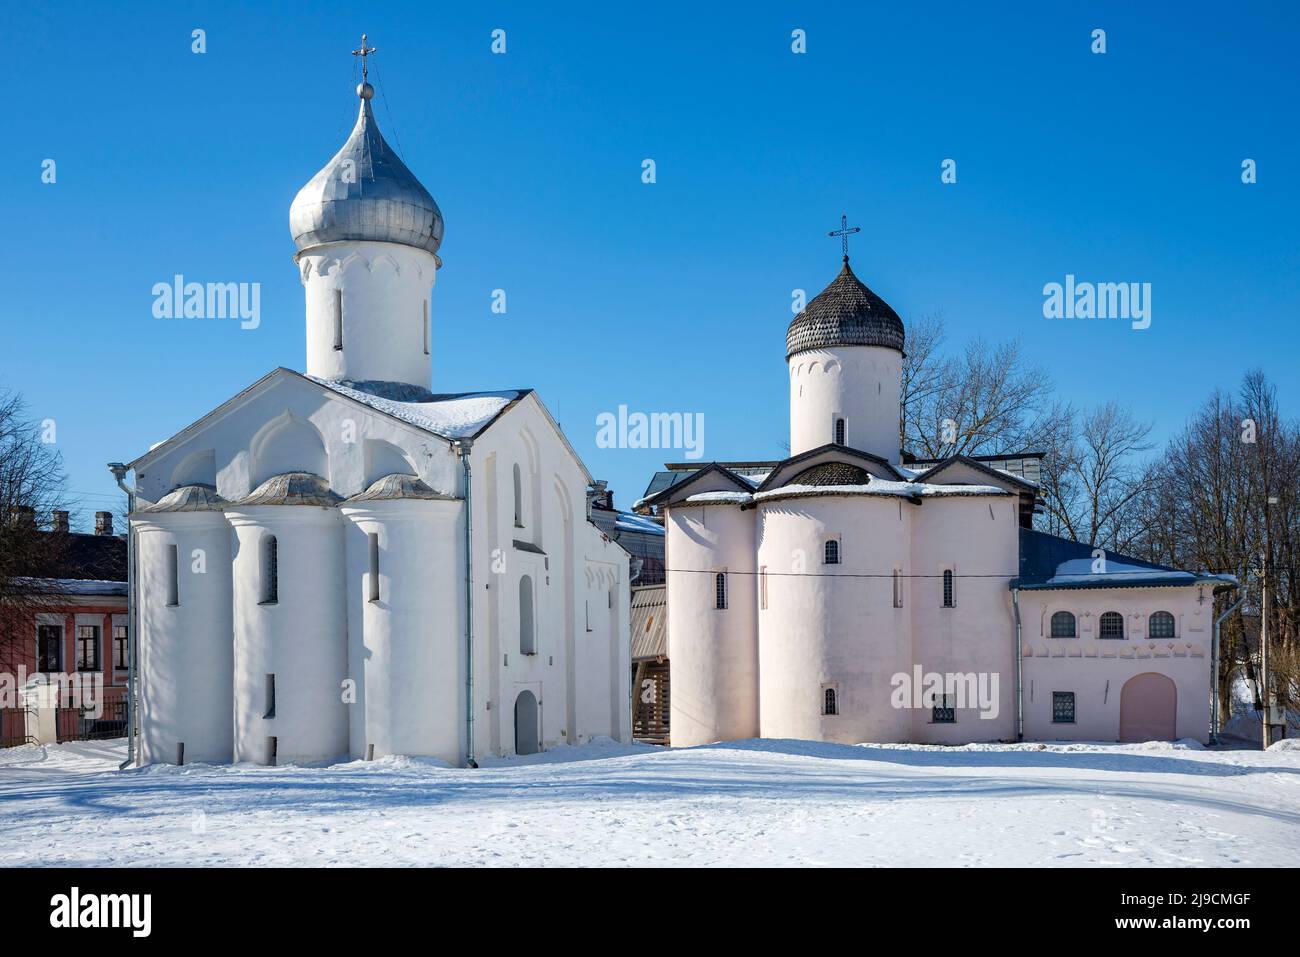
121, 654
88, 647
49, 648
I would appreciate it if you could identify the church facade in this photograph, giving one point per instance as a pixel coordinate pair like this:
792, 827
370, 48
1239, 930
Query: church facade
841, 595
347, 563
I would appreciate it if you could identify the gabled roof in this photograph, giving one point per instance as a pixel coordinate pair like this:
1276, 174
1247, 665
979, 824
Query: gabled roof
713, 468
449, 416
1048, 562
996, 475
796, 464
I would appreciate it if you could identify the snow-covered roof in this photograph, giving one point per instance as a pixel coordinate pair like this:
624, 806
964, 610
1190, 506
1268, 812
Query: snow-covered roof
631, 522
1051, 562
452, 415
75, 586
876, 487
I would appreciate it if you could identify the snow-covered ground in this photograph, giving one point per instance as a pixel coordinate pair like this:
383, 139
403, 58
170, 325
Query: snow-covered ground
748, 802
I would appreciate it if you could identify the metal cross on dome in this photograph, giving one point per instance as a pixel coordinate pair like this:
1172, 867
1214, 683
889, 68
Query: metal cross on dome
844, 232
363, 51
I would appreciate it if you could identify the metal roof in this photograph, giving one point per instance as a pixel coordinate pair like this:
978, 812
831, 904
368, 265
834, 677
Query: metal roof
365, 192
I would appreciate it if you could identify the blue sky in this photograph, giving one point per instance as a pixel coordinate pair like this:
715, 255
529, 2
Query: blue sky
666, 297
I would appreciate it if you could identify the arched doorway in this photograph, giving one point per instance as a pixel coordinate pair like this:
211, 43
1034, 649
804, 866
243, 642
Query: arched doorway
526, 737
1148, 708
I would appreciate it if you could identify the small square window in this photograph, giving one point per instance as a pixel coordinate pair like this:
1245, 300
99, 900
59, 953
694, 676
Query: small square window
944, 710
1063, 707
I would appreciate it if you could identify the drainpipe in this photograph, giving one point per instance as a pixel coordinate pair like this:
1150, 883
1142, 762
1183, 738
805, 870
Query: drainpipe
132, 630
1020, 677
1214, 672
462, 447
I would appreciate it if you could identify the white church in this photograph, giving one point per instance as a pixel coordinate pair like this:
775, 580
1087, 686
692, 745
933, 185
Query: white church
346, 563
819, 597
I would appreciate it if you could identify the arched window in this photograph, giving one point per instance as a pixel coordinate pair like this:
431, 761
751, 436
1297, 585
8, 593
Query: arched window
947, 588
832, 552
270, 570
1112, 625
1063, 625
519, 499
830, 706
839, 431
1161, 625
720, 590
527, 635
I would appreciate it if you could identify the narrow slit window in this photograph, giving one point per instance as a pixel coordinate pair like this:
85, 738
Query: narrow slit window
338, 319
519, 498
374, 565
270, 570
898, 588
527, 633
270, 697
173, 585
839, 432
762, 588
947, 588
720, 591
425, 326
829, 704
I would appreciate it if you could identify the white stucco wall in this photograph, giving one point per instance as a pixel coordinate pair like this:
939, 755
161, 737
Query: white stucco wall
832, 625
714, 652
977, 537
385, 290
301, 639
406, 651
861, 384
1096, 669
186, 657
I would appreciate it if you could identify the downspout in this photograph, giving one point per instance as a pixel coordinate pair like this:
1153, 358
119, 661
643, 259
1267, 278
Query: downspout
1020, 677
1214, 672
132, 630
462, 447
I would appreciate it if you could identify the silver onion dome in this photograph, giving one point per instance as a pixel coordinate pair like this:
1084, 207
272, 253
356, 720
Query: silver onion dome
365, 193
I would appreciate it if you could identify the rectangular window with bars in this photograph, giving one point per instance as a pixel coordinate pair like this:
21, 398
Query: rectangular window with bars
947, 588
1063, 707
720, 591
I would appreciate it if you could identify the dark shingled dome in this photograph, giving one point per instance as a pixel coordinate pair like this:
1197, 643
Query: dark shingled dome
845, 313
832, 473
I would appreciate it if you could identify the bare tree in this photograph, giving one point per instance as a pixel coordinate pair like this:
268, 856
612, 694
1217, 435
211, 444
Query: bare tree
31, 489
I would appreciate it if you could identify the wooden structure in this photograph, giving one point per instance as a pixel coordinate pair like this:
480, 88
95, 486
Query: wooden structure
650, 675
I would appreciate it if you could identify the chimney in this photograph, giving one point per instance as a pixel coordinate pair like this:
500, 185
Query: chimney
60, 521
103, 523
23, 516
596, 495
